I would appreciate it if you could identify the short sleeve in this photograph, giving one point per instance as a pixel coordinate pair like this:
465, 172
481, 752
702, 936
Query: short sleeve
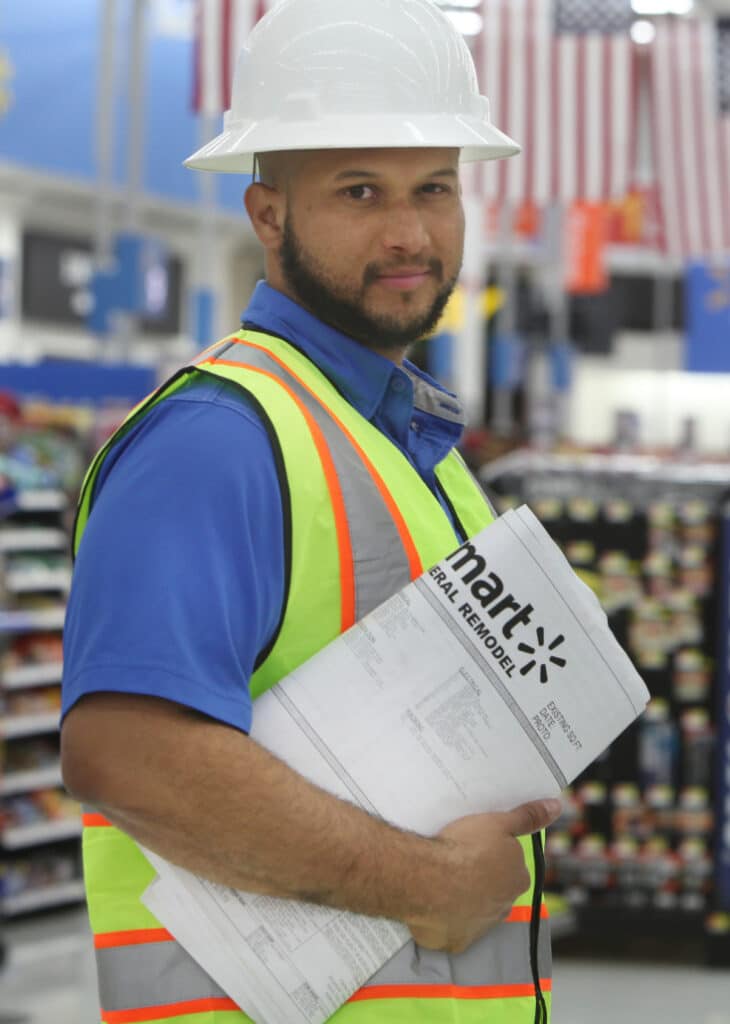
179, 580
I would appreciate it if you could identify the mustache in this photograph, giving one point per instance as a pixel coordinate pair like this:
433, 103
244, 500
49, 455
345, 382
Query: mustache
375, 270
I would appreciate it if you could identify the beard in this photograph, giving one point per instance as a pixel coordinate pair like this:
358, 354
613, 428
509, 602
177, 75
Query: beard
344, 308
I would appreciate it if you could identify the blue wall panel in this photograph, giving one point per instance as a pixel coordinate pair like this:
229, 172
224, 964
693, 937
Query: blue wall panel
51, 123
52, 48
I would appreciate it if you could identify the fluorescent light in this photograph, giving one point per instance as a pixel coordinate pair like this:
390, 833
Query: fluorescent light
643, 32
662, 6
469, 23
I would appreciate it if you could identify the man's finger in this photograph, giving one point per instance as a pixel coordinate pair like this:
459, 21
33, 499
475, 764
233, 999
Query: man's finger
532, 817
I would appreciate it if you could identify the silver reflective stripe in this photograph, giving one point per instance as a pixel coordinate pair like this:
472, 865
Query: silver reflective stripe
380, 560
151, 974
500, 958
160, 973
214, 352
427, 398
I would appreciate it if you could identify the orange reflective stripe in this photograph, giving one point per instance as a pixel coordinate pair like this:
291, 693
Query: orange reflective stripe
138, 937
168, 1010
95, 821
449, 991
347, 568
414, 560
525, 914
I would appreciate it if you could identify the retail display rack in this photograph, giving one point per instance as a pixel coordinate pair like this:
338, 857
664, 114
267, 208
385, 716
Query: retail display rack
54, 417
642, 850
39, 824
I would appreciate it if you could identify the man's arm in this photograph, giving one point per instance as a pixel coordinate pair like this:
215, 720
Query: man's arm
211, 800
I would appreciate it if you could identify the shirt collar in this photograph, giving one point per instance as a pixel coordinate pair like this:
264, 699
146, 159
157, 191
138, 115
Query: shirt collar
362, 376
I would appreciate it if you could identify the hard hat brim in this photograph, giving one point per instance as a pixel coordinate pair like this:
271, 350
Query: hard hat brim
233, 151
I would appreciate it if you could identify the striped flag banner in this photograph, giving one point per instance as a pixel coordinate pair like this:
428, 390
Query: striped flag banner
691, 116
561, 76
221, 28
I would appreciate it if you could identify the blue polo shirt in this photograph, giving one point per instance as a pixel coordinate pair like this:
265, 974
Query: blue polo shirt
179, 580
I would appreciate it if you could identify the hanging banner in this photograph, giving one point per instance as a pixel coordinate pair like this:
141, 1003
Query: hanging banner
636, 219
527, 221
586, 233
722, 808
708, 319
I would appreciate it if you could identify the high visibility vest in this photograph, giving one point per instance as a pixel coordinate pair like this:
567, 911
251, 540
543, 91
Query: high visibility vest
361, 525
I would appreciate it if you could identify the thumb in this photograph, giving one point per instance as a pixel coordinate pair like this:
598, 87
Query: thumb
532, 817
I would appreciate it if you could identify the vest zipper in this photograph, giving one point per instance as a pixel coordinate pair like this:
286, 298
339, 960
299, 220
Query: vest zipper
541, 1013
456, 523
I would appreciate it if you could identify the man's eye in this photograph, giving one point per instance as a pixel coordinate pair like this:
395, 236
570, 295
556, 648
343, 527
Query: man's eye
435, 189
361, 192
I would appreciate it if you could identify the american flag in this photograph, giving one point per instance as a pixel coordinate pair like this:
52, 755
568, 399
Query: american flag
221, 27
691, 116
561, 78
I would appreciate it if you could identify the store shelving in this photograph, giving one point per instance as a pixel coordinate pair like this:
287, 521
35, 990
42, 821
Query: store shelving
37, 778
31, 581
28, 676
16, 726
643, 846
46, 500
39, 825
33, 539
22, 837
42, 898
21, 621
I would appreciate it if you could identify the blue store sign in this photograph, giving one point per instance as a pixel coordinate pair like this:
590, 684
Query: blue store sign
708, 319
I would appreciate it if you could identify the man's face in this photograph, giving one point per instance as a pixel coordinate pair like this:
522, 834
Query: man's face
373, 241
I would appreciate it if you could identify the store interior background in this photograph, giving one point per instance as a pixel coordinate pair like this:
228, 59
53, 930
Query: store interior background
595, 366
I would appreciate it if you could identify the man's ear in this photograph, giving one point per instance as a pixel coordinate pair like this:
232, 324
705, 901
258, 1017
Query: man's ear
266, 206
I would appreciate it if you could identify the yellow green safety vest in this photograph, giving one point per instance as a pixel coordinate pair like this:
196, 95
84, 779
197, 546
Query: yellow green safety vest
360, 525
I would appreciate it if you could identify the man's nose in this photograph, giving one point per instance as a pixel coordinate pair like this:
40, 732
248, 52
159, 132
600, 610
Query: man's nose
404, 230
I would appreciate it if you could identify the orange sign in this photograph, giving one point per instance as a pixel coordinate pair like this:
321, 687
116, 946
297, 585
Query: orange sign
636, 219
586, 230
526, 221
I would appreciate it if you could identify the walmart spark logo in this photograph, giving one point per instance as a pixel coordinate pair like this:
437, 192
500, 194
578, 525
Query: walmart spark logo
542, 656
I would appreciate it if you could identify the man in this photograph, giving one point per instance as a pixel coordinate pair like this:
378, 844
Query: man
263, 501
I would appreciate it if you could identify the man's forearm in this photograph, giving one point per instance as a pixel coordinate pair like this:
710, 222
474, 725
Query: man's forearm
211, 800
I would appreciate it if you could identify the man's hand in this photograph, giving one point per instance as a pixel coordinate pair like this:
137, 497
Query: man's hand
488, 873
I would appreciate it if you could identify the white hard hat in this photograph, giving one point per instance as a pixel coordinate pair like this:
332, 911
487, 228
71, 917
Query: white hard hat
353, 74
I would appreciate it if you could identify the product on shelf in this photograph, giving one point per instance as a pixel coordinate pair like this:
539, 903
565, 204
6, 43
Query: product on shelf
30, 755
32, 649
34, 701
40, 870
41, 806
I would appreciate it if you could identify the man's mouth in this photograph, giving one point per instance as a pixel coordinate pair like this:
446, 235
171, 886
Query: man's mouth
404, 280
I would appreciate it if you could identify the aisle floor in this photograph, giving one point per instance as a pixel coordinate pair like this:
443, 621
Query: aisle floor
49, 977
